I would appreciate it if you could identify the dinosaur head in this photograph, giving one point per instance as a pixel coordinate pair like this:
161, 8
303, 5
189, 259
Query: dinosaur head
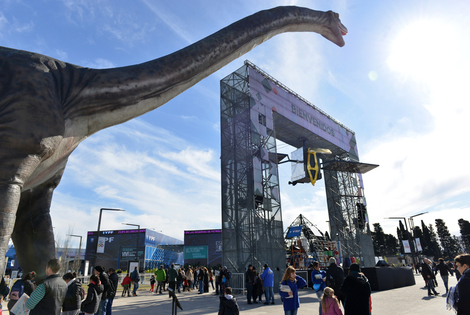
335, 29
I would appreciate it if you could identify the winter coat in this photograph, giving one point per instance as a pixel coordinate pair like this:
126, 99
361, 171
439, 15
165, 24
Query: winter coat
356, 289
333, 308
317, 280
268, 277
172, 275
426, 270
105, 282
161, 274
228, 305
93, 298
443, 269
335, 278
292, 303
249, 276
113, 284
73, 296
463, 287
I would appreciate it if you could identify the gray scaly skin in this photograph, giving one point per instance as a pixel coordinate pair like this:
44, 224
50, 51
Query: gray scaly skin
47, 107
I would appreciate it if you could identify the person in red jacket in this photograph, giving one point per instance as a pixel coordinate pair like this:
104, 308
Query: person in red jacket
126, 283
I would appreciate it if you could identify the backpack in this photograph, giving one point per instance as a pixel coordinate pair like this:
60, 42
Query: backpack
229, 275
17, 290
82, 292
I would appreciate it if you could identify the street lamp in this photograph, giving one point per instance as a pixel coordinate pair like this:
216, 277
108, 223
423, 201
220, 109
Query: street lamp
79, 248
137, 246
101, 212
411, 245
99, 225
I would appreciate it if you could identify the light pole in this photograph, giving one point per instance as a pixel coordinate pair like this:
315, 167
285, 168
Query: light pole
79, 249
98, 231
412, 225
411, 245
137, 246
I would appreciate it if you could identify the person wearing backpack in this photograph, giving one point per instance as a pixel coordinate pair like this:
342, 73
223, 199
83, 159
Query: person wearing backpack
135, 279
74, 295
24, 285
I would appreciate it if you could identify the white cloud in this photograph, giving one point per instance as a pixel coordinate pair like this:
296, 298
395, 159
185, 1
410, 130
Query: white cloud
160, 187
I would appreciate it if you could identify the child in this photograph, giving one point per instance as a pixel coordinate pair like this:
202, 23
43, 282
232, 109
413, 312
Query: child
228, 303
289, 290
152, 283
126, 283
329, 302
93, 297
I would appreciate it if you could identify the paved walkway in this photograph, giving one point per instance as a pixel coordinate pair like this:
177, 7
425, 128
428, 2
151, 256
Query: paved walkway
411, 300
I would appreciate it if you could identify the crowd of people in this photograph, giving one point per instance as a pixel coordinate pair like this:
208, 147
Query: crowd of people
190, 278
336, 291
65, 294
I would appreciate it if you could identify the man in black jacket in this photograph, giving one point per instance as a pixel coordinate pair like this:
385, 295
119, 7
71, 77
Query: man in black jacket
428, 275
335, 278
99, 272
73, 297
444, 271
113, 284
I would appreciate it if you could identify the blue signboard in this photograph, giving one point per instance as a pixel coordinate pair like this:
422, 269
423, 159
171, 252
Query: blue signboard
294, 231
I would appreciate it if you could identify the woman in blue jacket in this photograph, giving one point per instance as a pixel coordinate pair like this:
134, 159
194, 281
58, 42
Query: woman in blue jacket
288, 290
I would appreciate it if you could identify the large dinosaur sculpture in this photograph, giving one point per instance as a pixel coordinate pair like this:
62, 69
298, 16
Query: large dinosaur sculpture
47, 107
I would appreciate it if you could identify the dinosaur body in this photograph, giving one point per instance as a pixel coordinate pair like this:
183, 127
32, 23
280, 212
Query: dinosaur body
47, 107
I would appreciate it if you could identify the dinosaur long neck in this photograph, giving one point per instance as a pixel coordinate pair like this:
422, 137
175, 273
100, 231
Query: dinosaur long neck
112, 96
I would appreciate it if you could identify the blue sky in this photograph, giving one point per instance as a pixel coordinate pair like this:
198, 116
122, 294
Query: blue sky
400, 83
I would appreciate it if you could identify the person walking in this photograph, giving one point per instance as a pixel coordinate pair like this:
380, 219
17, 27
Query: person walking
161, 277
356, 290
152, 283
126, 283
428, 276
228, 304
329, 303
73, 297
289, 290
49, 296
268, 282
444, 271
249, 281
135, 277
459, 295
319, 282
335, 278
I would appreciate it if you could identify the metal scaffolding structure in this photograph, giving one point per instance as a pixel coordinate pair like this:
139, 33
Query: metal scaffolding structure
251, 121
348, 224
251, 218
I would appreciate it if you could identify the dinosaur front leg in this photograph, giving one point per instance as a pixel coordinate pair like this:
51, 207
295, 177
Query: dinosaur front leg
33, 234
9, 200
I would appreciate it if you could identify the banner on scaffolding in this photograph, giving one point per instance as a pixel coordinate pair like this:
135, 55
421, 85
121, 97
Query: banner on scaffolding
406, 246
294, 231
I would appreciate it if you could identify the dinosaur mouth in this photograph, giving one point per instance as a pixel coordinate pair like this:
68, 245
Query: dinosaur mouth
343, 29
